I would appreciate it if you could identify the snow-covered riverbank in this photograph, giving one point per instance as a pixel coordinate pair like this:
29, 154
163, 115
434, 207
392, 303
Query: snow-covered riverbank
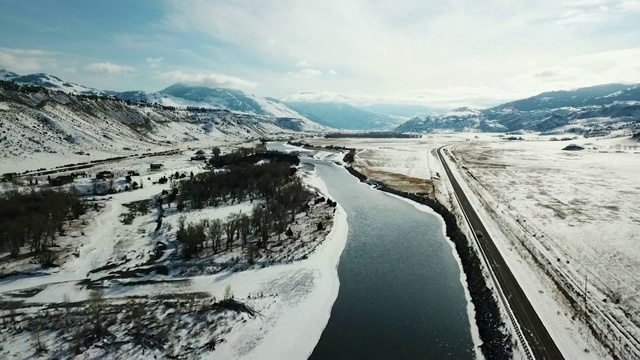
292, 301
290, 328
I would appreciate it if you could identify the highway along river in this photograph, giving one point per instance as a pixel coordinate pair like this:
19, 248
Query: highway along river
400, 293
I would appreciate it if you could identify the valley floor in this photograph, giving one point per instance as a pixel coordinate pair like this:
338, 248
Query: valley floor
559, 218
209, 307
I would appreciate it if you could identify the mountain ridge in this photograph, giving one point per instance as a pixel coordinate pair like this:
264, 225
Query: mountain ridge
177, 95
47, 81
34, 119
584, 110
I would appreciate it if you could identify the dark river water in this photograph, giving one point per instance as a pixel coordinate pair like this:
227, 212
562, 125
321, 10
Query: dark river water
400, 294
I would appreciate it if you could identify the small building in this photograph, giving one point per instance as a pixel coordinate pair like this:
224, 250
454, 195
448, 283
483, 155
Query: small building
61, 180
9, 177
156, 166
198, 158
573, 147
104, 175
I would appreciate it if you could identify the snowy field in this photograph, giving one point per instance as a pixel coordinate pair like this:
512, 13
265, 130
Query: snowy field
408, 157
571, 211
574, 209
288, 294
43, 160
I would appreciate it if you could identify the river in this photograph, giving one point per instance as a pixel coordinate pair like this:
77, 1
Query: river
400, 293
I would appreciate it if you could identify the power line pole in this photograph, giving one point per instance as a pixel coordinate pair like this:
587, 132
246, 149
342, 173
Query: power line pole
585, 298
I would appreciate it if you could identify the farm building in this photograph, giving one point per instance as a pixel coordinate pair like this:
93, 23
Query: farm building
104, 175
61, 180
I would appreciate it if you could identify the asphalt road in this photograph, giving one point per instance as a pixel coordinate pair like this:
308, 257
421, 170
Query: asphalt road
540, 342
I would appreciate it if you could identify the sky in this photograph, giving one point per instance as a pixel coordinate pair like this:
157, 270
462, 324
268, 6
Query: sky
439, 53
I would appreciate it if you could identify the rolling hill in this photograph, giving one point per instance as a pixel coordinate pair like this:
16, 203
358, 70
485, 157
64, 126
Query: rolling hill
586, 110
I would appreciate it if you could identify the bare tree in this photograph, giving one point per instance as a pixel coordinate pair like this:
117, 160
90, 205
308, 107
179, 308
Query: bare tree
244, 227
136, 313
96, 311
228, 293
266, 224
230, 227
279, 216
36, 333
215, 234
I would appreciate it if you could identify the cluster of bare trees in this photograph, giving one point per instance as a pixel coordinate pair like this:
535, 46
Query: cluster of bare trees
274, 216
373, 135
235, 183
284, 196
35, 218
243, 178
124, 326
250, 156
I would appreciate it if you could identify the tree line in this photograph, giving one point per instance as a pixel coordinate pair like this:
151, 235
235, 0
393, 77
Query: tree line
274, 216
373, 135
240, 179
274, 182
249, 156
35, 218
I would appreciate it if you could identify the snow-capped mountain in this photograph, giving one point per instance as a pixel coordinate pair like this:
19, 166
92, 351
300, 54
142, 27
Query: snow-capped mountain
36, 119
47, 81
593, 95
177, 95
180, 95
597, 108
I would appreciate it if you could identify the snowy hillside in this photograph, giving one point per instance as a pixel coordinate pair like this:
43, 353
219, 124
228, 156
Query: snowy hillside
182, 96
596, 109
47, 81
37, 122
177, 95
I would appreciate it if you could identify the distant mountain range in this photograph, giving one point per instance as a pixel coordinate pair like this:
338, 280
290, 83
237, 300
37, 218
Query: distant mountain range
401, 110
332, 114
596, 108
585, 110
35, 119
179, 95
345, 116
47, 81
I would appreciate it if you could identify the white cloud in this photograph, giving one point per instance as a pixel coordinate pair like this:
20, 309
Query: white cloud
207, 79
434, 97
587, 70
332, 72
630, 5
306, 73
303, 64
108, 68
401, 47
154, 63
26, 60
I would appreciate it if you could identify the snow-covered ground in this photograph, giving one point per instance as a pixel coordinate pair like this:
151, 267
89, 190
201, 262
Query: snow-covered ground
571, 211
410, 157
574, 210
292, 300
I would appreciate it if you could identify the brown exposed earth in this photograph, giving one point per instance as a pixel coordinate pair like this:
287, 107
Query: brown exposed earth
398, 181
